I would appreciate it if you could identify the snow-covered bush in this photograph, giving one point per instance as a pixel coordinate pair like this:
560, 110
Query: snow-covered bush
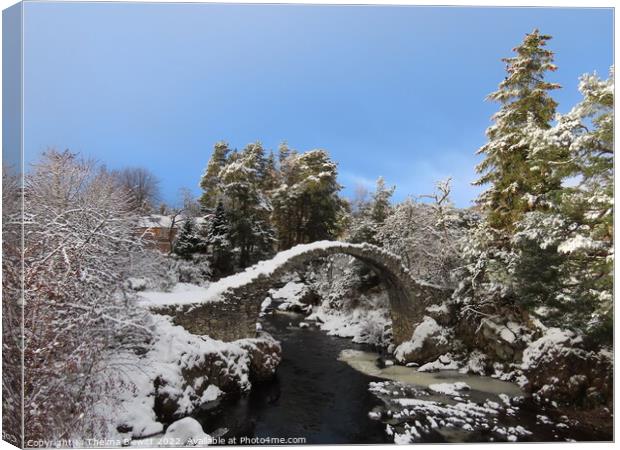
195, 270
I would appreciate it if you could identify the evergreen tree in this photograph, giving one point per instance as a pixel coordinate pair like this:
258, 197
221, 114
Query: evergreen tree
577, 227
271, 178
524, 95
248, 205
306, 206
381, 206
218, 239
521, 181
370, 215
189, 241
210, 179
283, 152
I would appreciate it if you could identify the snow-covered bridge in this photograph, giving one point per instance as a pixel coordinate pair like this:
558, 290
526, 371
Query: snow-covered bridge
229, 309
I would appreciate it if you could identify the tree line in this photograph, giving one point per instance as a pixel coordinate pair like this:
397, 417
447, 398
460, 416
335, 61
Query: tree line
256, 204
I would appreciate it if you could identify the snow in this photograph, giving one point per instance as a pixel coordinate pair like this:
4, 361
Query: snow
444, 362
424, 330
361, 325
288, 292
181, 294
450, 388
136, 284
173, 350
162, 221
476, 363
577, 243
211, 393
441, 308
508, 332
186, 431
552, 339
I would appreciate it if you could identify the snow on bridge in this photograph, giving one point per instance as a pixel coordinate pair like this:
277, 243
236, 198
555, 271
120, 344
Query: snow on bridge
228, 309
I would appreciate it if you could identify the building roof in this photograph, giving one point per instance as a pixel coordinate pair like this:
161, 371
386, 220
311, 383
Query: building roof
163, 221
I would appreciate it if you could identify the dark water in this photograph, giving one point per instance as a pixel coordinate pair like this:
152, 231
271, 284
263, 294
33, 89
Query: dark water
325, 401
314, 396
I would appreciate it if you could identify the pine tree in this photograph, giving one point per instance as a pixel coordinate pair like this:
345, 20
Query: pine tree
210, 179
381, 206
218, 239
370, 215
248, 204
524, 95
188, 241
306, 206
578, 224
503, 268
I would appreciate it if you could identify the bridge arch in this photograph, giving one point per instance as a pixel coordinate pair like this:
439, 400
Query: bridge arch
232, 305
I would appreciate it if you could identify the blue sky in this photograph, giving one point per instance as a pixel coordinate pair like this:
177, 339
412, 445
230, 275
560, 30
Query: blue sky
393, 91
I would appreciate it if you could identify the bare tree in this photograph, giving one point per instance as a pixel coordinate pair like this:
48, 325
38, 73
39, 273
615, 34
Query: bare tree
190, 205
142, 185
12, 388
426, 236
79, 238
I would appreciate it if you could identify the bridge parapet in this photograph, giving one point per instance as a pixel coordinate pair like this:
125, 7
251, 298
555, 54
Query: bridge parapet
232, 305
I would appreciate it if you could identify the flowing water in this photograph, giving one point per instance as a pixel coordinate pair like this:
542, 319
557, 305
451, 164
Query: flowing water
314, 396
321, 395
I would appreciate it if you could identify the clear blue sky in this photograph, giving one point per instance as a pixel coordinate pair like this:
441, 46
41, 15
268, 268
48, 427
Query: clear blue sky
391, 91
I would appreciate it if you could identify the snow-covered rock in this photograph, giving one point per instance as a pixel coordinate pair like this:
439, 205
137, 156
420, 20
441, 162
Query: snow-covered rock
182, 371
185, 432
560, 370
444, 362
429, 340
451, 389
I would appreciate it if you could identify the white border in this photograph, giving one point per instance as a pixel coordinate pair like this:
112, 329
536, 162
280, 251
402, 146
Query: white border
479, 3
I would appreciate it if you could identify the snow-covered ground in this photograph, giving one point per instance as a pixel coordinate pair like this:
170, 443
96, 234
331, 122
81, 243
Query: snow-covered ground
162, 372
361, 325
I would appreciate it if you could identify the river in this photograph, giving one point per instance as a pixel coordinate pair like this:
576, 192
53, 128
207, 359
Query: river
321, 395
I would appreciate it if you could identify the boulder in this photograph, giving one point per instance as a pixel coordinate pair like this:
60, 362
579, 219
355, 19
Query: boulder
429, 341
501, 337
174, 399
265, 356
559, 369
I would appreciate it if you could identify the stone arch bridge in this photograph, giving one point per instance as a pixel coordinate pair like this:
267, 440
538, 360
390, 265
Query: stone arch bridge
232, 305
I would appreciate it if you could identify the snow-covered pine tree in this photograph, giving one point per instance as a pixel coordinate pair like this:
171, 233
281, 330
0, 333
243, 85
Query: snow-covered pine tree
577, 226
248, 205
218, 239
306, 205
518, 182
189, 240
210, 179
370, 215
381, 206
524, 96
